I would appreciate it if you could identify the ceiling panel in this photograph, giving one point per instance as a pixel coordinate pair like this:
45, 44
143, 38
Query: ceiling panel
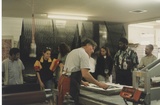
99, 10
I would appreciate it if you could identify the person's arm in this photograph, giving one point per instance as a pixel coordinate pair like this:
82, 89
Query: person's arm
40, 81
61, 66
84, 83
23, 69
3, 72
89, 78
110, 66
140, 66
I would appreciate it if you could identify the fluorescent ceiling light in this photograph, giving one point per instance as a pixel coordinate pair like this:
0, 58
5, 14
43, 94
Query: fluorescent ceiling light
68, 17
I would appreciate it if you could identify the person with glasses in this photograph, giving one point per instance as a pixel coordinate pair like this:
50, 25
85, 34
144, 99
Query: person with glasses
44, 67
77, 66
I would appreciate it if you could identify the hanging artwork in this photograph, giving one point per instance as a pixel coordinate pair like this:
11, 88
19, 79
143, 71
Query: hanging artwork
33, 44
6, 46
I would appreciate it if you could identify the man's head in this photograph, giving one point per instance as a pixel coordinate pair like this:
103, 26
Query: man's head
123, 43
89, 45
148, 50
14, 53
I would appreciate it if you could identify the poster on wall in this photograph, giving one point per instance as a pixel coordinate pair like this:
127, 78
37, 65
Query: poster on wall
6, 45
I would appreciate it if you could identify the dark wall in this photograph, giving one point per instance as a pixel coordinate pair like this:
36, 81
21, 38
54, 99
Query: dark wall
114, 32
49, 34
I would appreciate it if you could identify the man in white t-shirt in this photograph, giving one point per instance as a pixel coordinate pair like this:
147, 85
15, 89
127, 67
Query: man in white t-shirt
77, 66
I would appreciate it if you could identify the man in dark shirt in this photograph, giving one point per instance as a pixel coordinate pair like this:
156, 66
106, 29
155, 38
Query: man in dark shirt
126, 60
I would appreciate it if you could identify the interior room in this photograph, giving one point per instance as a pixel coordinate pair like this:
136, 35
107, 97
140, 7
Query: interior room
34, 25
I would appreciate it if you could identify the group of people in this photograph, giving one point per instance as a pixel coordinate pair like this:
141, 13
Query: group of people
126, 60
73, 67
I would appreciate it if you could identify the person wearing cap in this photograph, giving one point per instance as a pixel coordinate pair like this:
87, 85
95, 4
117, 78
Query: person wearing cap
148, 58
77, 66
126, 60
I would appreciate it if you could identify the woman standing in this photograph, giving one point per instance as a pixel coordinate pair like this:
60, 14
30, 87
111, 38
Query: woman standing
63, 49
104, 65
44, 67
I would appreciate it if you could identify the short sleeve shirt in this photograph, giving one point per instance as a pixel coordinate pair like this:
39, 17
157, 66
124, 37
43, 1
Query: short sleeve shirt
92, 65
76, 60
147, 60
128, 55
14, 72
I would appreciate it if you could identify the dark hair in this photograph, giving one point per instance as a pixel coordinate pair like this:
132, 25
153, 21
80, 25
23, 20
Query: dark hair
123, 40
88, 41
107, 51
47, 49
14, 51
64, 49
150, 46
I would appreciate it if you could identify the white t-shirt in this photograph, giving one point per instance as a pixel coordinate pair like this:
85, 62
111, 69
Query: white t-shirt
76, 60
92, 63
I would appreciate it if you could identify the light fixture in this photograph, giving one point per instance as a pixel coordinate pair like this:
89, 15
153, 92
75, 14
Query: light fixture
67, 17
138, 11
33, 44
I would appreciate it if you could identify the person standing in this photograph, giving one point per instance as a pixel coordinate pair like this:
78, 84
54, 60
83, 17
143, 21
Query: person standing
63, 49
76, 67
148, 58
126, 60
44, 67
12, 68
104, 65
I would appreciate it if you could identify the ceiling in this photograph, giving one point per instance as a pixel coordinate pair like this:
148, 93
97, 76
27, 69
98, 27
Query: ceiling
98, 10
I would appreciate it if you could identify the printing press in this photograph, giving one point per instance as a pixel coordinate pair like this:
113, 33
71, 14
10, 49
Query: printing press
150, 76
134, 95
113, 89
145, 89
93, 95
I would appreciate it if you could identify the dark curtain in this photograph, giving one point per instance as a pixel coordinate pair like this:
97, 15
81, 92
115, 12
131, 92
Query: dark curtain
114, 31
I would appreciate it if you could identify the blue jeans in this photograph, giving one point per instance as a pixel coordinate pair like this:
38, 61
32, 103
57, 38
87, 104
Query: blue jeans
49, 84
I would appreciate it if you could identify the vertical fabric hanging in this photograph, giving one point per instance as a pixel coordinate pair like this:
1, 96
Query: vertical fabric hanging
33, 44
